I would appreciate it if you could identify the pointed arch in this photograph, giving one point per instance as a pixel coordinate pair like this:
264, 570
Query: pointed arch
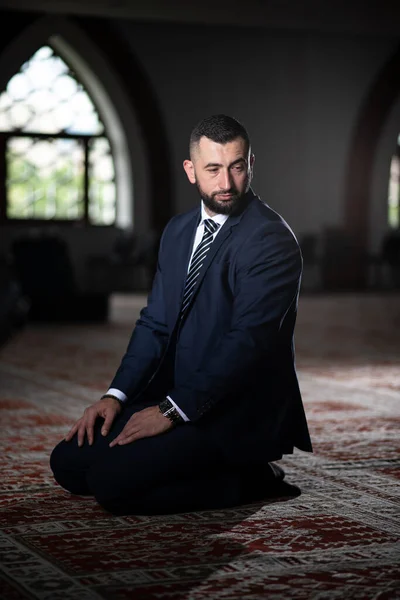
365, 154
125, 104
58, 159
394, 188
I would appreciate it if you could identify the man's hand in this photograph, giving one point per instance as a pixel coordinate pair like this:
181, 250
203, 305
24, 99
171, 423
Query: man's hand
145, 423
107, 408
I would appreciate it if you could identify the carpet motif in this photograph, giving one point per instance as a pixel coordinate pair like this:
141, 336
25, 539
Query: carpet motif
339, 540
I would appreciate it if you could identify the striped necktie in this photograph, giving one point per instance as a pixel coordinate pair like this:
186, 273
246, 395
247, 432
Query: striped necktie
210, 227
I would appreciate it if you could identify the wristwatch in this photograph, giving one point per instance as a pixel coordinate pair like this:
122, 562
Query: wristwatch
168, 410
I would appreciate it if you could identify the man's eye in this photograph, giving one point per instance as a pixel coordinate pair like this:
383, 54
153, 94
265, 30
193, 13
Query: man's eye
239, 168
212, 170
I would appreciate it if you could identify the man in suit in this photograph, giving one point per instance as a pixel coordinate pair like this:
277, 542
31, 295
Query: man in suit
206, 395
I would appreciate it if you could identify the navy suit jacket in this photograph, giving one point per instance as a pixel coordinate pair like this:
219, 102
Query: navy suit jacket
229, 364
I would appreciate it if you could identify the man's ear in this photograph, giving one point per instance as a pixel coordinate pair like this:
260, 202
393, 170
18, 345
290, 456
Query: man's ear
189, 170
252, 159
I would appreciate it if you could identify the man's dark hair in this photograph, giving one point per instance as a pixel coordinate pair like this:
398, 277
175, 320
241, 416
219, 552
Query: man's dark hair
220, 129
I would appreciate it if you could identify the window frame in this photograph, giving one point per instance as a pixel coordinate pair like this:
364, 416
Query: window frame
85, 139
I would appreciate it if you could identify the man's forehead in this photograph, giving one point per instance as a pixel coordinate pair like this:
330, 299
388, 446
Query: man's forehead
207, 148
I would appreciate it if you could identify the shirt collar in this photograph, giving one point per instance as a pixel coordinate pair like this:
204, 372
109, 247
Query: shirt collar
220, 219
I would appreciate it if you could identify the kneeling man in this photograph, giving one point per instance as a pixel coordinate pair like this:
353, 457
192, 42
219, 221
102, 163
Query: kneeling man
206, 395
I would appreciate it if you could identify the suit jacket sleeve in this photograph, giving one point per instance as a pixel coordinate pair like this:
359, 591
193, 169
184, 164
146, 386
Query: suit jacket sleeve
267, 283
147, 343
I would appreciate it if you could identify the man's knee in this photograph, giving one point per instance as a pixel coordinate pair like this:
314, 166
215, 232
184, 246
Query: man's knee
57, 458
57, 465
71, 479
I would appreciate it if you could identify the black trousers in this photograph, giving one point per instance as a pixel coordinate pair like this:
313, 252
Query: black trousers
178, 471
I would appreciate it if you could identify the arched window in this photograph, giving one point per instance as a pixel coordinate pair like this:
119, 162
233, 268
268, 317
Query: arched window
53, 147
394, 190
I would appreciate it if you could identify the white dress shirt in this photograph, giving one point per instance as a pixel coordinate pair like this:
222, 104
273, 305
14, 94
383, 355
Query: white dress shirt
220, 219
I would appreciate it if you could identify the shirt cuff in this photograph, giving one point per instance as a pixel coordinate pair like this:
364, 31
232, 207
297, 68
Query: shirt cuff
184, 417
118, 394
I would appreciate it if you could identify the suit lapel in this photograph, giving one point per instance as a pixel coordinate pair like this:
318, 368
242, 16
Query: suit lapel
184, 244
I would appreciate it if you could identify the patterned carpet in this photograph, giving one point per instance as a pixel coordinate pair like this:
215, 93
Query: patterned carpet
339, 540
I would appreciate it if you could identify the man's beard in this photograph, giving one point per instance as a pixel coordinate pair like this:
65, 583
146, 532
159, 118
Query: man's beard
224, 207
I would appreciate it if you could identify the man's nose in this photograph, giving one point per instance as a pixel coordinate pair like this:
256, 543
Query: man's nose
225, 180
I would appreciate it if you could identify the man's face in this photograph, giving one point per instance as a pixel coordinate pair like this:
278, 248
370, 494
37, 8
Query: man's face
222, 173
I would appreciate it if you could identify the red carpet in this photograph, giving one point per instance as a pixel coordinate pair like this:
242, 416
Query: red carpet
339, 540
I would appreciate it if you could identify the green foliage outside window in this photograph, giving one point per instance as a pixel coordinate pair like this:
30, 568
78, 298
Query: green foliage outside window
37, 193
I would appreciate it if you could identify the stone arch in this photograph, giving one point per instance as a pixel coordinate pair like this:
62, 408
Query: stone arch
126, 105
365, 150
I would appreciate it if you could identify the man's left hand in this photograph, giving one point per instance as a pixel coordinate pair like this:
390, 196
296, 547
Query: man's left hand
145, 423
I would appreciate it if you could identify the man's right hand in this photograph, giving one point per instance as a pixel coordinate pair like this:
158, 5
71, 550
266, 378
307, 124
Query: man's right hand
107, 408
